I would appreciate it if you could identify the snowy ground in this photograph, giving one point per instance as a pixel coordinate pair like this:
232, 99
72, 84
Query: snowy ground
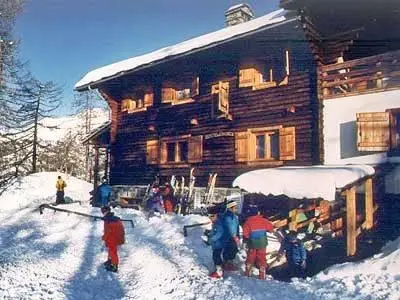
60, 256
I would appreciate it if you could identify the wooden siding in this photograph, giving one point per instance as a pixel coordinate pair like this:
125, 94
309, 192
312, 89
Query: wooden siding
249, 109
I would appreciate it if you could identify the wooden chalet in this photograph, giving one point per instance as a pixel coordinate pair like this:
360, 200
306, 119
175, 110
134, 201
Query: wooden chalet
231, 106
269, 92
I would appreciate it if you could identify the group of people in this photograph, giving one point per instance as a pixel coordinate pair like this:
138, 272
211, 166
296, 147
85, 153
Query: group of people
225, 242
224, 237
161, 199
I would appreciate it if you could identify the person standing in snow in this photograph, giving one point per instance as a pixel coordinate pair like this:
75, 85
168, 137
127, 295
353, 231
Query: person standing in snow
155, 201
114, 236
296, 254
255, 236
168, 198
231, 227
102, 194
60, 186
216, 238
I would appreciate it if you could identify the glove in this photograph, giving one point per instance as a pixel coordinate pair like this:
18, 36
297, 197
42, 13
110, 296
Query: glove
303, 264
236, 240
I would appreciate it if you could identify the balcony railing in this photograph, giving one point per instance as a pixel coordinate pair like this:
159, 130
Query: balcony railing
358, 76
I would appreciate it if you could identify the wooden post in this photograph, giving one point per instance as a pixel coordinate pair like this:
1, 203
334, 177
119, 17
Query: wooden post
96, 167
293, 221
351, 221
106, 164
369, 204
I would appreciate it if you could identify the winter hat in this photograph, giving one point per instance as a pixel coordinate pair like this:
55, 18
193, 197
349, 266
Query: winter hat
231, 203
105, 209
252, 210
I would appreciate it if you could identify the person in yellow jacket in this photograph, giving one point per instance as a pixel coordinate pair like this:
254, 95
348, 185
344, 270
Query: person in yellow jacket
60, 186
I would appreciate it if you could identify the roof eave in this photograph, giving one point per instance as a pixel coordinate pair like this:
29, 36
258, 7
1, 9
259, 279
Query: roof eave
94, 84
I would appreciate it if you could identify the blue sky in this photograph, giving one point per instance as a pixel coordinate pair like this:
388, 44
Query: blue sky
64, 39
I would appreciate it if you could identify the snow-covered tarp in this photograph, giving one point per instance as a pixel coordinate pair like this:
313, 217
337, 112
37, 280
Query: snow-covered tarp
181, 48
302, 182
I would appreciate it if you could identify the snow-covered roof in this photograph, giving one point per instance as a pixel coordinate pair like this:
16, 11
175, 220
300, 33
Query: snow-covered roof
198, 43
302, 182
237, 6
98, 130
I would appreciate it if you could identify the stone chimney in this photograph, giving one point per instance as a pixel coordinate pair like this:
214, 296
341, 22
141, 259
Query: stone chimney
237, 14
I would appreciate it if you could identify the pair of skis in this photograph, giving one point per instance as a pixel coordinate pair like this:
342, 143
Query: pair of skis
182, 192
212, 178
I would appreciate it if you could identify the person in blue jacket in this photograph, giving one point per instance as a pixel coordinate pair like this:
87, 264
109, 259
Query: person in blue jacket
296, 254
217, 239
102, 194
232, 242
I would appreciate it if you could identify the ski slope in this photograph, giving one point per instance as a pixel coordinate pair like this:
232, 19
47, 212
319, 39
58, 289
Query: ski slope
60, 256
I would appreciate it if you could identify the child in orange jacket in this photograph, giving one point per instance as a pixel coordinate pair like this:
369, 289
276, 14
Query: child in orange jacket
114, 235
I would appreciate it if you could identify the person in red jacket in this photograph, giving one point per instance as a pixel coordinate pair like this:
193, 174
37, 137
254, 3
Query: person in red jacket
168, 198
114, 235
255, 236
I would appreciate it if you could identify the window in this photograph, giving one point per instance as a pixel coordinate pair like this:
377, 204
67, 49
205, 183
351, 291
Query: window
180, 90
138, 100
378, 131
183, 149
222, 89
260, 75
275, 143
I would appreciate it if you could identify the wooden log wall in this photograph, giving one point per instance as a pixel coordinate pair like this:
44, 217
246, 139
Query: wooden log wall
249, 109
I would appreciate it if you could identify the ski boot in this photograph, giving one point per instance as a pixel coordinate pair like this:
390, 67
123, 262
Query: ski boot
112, 268
107, 263
218, 273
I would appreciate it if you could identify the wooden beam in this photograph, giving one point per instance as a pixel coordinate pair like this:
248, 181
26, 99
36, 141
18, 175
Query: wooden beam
351, 221
293, 221
369, 204
96, 168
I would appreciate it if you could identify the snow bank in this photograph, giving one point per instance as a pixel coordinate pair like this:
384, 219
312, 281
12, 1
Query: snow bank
302, 182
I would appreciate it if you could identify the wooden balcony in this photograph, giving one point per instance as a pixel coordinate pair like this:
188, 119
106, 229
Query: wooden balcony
365, 75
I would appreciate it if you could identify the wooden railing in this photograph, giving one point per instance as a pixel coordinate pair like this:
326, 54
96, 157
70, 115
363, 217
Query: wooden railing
364, 75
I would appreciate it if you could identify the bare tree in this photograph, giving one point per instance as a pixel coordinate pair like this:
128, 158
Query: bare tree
85, 103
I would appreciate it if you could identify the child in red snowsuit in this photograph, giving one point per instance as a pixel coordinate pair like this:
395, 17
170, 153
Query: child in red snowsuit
114, 235
255, 235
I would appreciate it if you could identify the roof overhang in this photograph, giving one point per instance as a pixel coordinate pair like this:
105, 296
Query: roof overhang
95, 133
303, 182
198, 44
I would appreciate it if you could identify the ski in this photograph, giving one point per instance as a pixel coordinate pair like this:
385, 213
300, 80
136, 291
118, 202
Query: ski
210, 187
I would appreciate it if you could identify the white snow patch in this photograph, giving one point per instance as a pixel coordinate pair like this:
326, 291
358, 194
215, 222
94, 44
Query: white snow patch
302, 182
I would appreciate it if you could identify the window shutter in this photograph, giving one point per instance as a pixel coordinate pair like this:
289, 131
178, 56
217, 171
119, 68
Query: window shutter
195, 149
241, 146
148, 99
223, 97
287, 143
126, 104
373, 131
164, 153
194, 91
152, 152
168, 95
249, 77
